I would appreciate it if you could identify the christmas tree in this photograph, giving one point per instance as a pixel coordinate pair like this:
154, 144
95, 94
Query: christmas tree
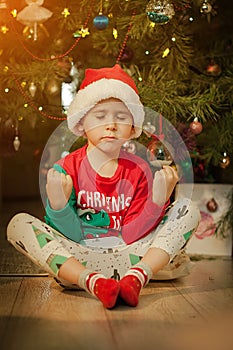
179, 53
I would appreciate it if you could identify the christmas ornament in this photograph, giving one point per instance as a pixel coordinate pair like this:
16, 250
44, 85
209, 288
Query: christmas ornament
115, 33
65, 12
206, 7
33, 14
83, 32
148, 129
166, 52
196, 126
225, 161
100, 22
160, 11
4, 29
32, 89
213, 69
212, 205
157, 153
16, 143
130, 147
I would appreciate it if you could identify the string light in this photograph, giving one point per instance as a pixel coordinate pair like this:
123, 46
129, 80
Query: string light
126, 38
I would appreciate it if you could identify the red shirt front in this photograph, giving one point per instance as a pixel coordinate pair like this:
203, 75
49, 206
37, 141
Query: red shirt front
122, 203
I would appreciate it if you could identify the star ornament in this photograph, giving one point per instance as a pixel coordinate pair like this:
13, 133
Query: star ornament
65, 12
83, 32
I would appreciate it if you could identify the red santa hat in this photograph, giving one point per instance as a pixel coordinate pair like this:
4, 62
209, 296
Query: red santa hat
101, 84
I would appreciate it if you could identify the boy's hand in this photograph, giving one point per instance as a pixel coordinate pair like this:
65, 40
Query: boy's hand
164, 183
59, 187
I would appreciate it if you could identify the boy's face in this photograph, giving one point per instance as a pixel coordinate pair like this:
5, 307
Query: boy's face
108, 125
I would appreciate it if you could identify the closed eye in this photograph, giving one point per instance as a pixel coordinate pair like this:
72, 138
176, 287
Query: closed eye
100, 116
124, 118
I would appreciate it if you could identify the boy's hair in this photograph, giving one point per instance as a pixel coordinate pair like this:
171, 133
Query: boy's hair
101, 84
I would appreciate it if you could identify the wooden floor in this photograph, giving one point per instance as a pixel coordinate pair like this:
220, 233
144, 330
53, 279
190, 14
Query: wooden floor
194, 312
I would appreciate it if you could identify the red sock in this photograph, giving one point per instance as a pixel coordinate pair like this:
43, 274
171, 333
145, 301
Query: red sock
131, 285
106, 290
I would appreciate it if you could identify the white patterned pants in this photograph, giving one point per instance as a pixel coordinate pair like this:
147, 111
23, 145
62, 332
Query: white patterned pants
49, 249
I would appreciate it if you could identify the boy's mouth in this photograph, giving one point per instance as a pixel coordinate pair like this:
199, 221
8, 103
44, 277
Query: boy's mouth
106, 138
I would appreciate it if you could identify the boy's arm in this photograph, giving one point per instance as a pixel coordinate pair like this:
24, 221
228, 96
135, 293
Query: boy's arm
60, 210
149, 204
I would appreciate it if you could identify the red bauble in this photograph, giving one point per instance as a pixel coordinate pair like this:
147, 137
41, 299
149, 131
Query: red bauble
196, 126
212, 205
214, 69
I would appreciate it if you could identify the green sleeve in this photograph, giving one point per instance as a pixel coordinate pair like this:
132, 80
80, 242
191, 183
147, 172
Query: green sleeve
65, 220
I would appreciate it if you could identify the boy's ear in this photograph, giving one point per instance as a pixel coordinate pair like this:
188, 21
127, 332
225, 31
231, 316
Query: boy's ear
133, 132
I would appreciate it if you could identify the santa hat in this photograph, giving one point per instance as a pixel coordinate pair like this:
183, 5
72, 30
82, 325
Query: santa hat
101, 84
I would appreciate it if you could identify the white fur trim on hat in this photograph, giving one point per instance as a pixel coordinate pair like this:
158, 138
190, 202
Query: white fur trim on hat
99, 90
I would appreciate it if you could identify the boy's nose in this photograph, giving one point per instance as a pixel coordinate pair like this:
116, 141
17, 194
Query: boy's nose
111, 124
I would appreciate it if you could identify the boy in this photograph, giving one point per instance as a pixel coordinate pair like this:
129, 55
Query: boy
103, 184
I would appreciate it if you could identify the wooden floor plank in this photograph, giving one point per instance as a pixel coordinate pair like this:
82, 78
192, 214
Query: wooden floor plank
44, 317
9, 289
209, 288
161, 309
37, 314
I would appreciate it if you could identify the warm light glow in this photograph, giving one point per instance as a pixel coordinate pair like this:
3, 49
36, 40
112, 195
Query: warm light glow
7, 90
25, 105
4, 29
5, 69
23, 84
